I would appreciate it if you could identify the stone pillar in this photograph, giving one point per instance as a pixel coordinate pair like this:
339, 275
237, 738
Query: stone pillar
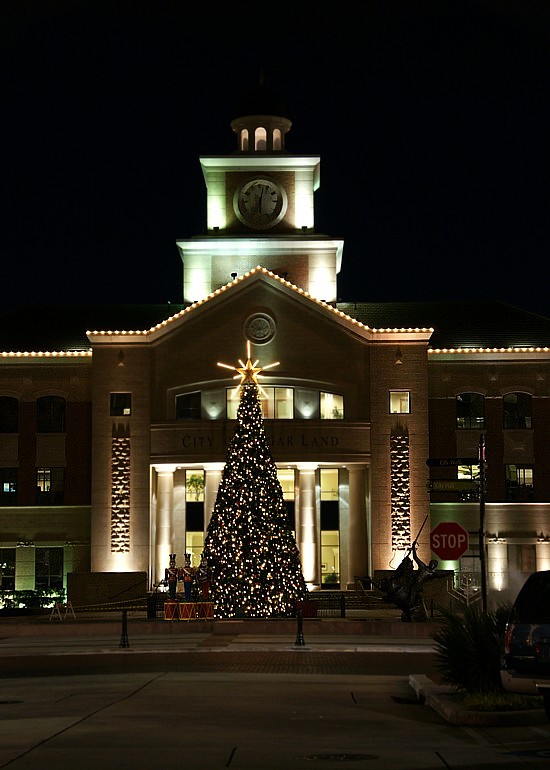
497, 565
357, 533
212, 477
542, 551
307, 525
24, 566
163, 529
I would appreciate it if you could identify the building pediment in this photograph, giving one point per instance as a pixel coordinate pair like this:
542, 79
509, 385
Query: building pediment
241, 288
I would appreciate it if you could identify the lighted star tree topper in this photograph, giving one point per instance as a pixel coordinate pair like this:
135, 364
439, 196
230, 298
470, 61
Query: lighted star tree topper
250, 547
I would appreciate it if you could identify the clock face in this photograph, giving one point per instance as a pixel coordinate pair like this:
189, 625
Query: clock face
260, 203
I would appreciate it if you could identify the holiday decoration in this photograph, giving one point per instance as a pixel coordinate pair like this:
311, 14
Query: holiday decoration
250, 550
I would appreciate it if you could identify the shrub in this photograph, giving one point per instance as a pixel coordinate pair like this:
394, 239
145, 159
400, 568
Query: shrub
469, 646
331, 577
31, 599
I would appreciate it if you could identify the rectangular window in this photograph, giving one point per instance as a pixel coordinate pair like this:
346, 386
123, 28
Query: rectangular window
470, 411
50, 486
121, 404
194, 486
331, 406
8, 486
7, 569
284, 403
276, 403
329, 484
194, 514
48, 568
469, 473
330, 527
267, 402
232, 401
400, 402
188, 406
287, 482
517, 411
194, 544
9, 414
50, 414
519, 483
330, 558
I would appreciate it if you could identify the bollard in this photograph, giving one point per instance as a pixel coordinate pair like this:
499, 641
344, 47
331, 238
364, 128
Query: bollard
299, 636
342, 606
124, 634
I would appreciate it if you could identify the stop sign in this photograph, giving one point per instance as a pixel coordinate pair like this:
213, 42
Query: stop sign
448, 540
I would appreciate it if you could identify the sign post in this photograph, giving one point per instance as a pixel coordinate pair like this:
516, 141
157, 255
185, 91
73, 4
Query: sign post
482, 555
449, 541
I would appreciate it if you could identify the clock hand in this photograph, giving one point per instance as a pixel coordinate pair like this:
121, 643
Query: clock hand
260, 204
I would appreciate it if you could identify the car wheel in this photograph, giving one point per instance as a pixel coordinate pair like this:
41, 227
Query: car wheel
546, 703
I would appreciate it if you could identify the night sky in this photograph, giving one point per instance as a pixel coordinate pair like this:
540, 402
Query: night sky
431, 120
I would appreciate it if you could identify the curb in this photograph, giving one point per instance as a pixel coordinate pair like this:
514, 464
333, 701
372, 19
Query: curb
438, 697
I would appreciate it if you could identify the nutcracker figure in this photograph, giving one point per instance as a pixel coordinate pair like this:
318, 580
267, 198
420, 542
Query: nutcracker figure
203, 576
171, 575
188, 576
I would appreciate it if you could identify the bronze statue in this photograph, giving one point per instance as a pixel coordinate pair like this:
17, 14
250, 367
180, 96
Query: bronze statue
404, 587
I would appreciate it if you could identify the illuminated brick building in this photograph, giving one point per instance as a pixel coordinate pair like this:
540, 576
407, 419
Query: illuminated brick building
114, 431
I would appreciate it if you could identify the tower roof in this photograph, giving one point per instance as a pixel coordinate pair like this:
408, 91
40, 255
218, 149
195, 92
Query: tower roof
261, 100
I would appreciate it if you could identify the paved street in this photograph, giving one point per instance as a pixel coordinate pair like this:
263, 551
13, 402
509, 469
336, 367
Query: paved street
242, 720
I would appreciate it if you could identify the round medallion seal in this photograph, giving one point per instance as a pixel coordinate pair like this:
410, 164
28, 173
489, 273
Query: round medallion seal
260, 328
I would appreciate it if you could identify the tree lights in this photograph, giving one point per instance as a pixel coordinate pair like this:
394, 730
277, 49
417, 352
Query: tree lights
250, 547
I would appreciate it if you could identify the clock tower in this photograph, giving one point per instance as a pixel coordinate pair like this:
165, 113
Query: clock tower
260, 210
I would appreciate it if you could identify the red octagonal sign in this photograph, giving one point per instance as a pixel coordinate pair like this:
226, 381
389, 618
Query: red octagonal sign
449, 540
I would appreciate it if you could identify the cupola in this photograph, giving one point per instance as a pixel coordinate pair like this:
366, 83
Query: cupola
261, 127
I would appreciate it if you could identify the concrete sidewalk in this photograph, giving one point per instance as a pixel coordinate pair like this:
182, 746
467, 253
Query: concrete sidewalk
98, 631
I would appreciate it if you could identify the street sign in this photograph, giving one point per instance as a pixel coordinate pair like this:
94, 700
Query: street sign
448, 540
451, 462
453, 485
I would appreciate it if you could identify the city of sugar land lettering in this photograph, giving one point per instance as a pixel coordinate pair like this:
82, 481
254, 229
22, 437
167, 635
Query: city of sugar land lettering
207, 442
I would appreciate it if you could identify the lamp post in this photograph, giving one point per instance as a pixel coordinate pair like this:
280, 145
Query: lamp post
482, 558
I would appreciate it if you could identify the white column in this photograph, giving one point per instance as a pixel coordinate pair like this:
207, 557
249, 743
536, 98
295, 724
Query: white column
212, 477
163, 529
357, 533
307, 524
542, 554
497, 565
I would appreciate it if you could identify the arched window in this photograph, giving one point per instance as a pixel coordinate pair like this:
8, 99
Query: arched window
244, 140
260, 139
470, 411
50, 414
277, 139
9, 414
517, 410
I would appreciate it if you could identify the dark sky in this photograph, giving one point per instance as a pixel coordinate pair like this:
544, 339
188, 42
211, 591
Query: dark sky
431, 120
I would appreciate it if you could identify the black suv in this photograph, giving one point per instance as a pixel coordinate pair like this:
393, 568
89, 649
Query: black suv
526, 659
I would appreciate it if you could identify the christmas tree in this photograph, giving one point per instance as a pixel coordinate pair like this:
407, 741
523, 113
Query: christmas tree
249, 548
